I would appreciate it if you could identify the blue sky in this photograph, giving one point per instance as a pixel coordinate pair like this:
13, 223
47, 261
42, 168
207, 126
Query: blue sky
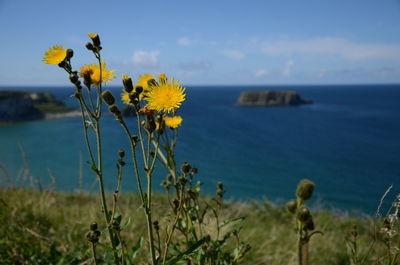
208, 42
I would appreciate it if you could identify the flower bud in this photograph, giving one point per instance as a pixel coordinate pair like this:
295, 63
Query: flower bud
156, 225
305, 189
95, 38
127, 81
150, 125
114, 109
69, 55
185, 168
139, 89
309, 224
93, 226
303, 214
121, 153
62, 64
73, 77
220, 189
291, 206
108, 97
87, 79
89, 46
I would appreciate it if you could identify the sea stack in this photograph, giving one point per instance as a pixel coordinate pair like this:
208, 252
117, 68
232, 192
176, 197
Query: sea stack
271, 98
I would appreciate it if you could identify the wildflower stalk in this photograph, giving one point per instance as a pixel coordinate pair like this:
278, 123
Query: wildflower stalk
94, 253
146, 200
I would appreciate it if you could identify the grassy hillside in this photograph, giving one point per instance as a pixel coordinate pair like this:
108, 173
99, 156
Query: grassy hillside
50, 228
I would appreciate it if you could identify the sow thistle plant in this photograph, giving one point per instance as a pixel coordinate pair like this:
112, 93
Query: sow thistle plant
182, 235
304, 222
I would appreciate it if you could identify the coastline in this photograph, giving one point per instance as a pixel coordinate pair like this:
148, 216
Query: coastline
61, 115
47, 116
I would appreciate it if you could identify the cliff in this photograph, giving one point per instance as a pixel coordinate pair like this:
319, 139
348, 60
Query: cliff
27, 105
271, 98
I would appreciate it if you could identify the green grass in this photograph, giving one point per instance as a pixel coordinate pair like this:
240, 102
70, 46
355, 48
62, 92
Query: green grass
52, 108
50, 227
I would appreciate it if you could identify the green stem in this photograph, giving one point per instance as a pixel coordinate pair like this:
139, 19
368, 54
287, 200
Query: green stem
135, 162
94, 253
149, 195
146, 202
102, 193
141, 139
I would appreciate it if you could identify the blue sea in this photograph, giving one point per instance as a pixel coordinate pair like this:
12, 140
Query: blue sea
347, 142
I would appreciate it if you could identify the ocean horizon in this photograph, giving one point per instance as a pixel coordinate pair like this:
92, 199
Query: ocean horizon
347, 142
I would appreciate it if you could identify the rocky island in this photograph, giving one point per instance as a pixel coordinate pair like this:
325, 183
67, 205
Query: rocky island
271, 98
17, 106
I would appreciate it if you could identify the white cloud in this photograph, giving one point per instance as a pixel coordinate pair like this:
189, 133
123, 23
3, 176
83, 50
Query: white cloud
333, 46
184, 41
287, 70
145, 58
261, 72
234, 54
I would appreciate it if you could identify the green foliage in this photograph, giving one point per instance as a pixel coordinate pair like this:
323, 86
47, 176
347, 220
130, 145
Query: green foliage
60, 222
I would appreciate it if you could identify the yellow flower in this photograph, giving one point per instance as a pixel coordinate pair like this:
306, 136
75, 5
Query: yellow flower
173, 122
163, 78
125, 98
143, 81
55, 55
94, 71
165, 96
92, 35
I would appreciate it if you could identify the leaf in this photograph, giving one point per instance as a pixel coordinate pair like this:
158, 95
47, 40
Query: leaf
127, 222
137, 247
232, 221
192, 248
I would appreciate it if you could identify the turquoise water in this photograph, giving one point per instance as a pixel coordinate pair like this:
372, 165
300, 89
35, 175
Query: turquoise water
347, 142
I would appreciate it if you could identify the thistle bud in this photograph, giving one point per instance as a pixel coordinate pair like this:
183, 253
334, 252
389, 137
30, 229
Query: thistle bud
305, 189
291, 206
69, 55
220, 189
150, 125
135, 138
114, 109
62, 64
95, 38
127, 81
89, 46
108, 97
87, 79
185, 168
93, 226
73, 77
309, 224
121, 153
133, 96
303, 214
156, 225
139, 89
183, 180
